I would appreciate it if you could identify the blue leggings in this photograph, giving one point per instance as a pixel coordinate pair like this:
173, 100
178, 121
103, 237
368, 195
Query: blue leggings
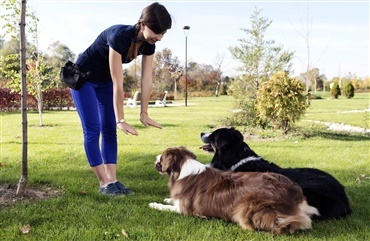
94, 104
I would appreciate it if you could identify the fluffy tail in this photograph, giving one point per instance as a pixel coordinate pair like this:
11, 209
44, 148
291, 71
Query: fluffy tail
273, 221
301, 220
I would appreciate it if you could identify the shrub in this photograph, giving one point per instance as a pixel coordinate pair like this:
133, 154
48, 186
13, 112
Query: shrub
349, 90
281, 100
244, 94
52, 99
335, 91
57, 99
11, 101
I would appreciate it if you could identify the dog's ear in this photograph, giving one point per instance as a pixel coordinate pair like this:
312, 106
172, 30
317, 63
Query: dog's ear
220, 143
237, 134
186, 153
220, 138
167, 162
171, 160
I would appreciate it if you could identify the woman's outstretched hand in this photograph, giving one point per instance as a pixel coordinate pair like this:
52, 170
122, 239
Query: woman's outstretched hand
147, 121
127, 128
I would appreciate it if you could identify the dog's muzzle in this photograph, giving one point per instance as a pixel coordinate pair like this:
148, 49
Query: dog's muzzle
158, 166
204, 136
157, 163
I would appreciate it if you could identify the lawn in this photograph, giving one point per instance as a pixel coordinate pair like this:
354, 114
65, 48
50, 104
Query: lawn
57, 162
341, 110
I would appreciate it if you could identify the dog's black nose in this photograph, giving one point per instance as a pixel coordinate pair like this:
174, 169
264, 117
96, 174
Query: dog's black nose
204, 136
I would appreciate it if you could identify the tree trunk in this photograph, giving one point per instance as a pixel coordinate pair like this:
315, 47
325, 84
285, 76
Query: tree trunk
39, 102
24, 176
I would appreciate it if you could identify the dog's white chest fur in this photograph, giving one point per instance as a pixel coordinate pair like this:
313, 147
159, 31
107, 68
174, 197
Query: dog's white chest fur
191, 167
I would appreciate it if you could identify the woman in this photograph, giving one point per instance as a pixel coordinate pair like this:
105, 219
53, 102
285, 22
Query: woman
99, 102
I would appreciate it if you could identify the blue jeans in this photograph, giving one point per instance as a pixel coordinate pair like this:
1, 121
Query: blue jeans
94, 104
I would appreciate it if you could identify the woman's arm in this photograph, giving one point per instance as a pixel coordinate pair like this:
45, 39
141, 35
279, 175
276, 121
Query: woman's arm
146, 89
146, 81
115, 66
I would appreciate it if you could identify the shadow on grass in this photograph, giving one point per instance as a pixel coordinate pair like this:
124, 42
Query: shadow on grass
141, 126
315, 130
343, 136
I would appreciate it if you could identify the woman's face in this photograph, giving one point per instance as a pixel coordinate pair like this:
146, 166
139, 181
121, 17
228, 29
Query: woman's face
150, 36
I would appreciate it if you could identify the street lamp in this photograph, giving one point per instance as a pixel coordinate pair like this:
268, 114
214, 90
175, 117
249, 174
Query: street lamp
186, 32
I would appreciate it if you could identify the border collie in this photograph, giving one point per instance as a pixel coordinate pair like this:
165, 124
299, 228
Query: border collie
256, 201
322, 190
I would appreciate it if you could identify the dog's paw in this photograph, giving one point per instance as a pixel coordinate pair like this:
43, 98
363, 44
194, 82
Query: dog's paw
154, 205
168, 200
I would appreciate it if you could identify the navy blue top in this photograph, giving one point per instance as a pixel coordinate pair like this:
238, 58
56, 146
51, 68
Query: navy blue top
96, 57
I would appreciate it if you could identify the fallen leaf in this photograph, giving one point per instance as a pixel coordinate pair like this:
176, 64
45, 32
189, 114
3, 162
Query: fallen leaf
25, 229
2, 164
363, 175
84, 192
124, 233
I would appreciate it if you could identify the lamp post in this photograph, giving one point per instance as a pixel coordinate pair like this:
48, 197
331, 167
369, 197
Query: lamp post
186, 32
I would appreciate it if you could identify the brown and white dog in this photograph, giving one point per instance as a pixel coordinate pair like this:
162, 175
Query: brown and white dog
255, 200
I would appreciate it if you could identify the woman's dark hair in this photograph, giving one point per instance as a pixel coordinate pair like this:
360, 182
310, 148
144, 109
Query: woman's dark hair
156, 17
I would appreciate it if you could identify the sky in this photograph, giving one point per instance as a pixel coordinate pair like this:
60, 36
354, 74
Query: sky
338, 30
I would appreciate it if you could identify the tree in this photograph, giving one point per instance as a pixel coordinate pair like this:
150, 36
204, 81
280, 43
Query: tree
24, 176
281, 100
165, 64
41, 76
309, 76
39, 73
12, 19
320, 82
260, 59
9, 61
313, 79
335, 91
218, 72
349, 90
355, 83
129, 81
58, 54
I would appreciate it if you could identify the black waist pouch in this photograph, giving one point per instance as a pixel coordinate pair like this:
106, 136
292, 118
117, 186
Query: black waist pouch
72, 76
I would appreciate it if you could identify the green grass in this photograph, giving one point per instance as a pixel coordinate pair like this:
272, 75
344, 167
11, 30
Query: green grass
341, 110
57, 160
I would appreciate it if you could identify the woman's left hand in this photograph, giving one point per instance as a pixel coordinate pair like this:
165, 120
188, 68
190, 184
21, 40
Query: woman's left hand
147, 121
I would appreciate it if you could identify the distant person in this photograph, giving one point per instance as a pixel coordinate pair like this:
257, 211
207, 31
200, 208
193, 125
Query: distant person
99, 102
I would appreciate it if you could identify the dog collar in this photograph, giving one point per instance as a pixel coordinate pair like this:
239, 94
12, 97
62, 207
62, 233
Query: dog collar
243, 161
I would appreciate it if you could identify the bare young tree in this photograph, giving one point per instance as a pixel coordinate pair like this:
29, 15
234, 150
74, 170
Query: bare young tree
260, 59
219, 62
24, 176
309, 78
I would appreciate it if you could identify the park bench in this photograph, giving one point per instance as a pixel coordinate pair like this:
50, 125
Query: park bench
135, 100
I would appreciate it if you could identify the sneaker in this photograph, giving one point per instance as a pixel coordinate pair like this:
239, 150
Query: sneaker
124, 190
110, 190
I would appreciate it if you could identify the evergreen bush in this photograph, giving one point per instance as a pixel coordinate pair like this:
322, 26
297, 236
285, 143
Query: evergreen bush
335, 91
349, 90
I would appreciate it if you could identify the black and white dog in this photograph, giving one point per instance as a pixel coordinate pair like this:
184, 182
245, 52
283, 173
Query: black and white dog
321, 189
